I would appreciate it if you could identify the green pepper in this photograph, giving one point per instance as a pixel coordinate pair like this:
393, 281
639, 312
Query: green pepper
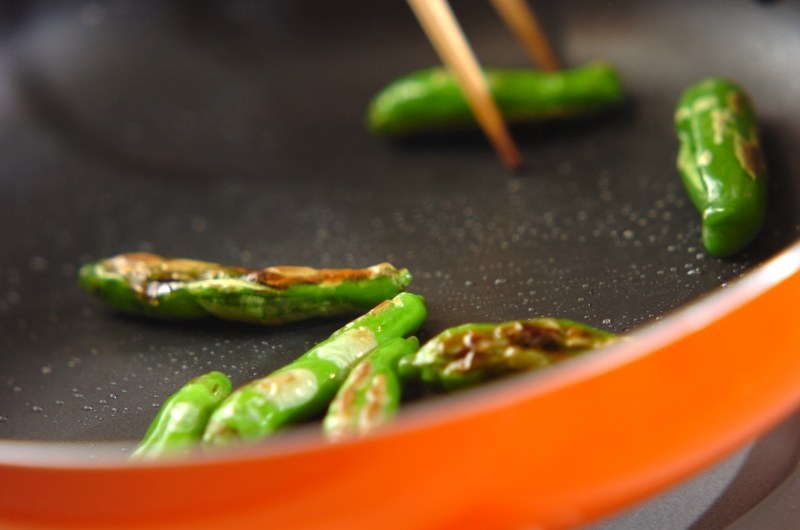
370, 396
432, 100
179, 425
306, 386
472, 353
721, 163
155, 286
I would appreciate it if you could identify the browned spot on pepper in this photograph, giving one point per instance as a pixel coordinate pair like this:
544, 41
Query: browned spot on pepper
749, 155
221, 431
268, 385
359, 375
736, 101
194, 268
376, 398
138, 265
284, 277
380, 307
529, 335
135, 268
126, 263
345, 404
464, 360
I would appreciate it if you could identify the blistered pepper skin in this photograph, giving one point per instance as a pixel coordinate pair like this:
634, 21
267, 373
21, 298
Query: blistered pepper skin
472, 353
170, 288
306, 386
370, 396
179, 425
721, 163
432, 100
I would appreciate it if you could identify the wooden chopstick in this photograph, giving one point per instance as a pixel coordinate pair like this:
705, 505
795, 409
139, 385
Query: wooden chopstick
523, 24
444, 32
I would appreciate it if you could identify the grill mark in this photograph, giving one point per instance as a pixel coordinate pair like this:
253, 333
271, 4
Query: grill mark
136, 265
376, 397
380, 307
736, 101
217, 430
749, 155
348, 401
528, 335
345, 404
284, 277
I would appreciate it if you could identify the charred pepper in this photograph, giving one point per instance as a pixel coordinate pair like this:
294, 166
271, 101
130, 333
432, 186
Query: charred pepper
432, 100
306, 386
472, 353
161, 287
179, 425
721, 163
370, 396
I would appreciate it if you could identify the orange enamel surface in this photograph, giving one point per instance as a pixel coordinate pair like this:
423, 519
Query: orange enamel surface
554, 456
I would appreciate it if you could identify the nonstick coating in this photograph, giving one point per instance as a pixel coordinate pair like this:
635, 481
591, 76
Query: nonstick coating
232, 132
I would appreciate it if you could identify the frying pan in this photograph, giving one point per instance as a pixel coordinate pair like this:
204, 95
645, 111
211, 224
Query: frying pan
232, 132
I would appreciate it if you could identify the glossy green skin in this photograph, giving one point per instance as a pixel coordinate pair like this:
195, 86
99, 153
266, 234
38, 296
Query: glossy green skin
370, 396
179, 426
226, 292
306, 386
432, 100
721, 163
440, 363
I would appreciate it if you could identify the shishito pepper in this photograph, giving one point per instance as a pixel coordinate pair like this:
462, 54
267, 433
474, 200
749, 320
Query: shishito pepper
306, 386
180, 423
432, 100
472, 353
721, 163
161, 287
370, 396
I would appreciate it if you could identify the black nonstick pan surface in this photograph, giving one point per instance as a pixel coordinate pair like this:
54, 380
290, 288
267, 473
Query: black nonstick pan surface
232, 132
